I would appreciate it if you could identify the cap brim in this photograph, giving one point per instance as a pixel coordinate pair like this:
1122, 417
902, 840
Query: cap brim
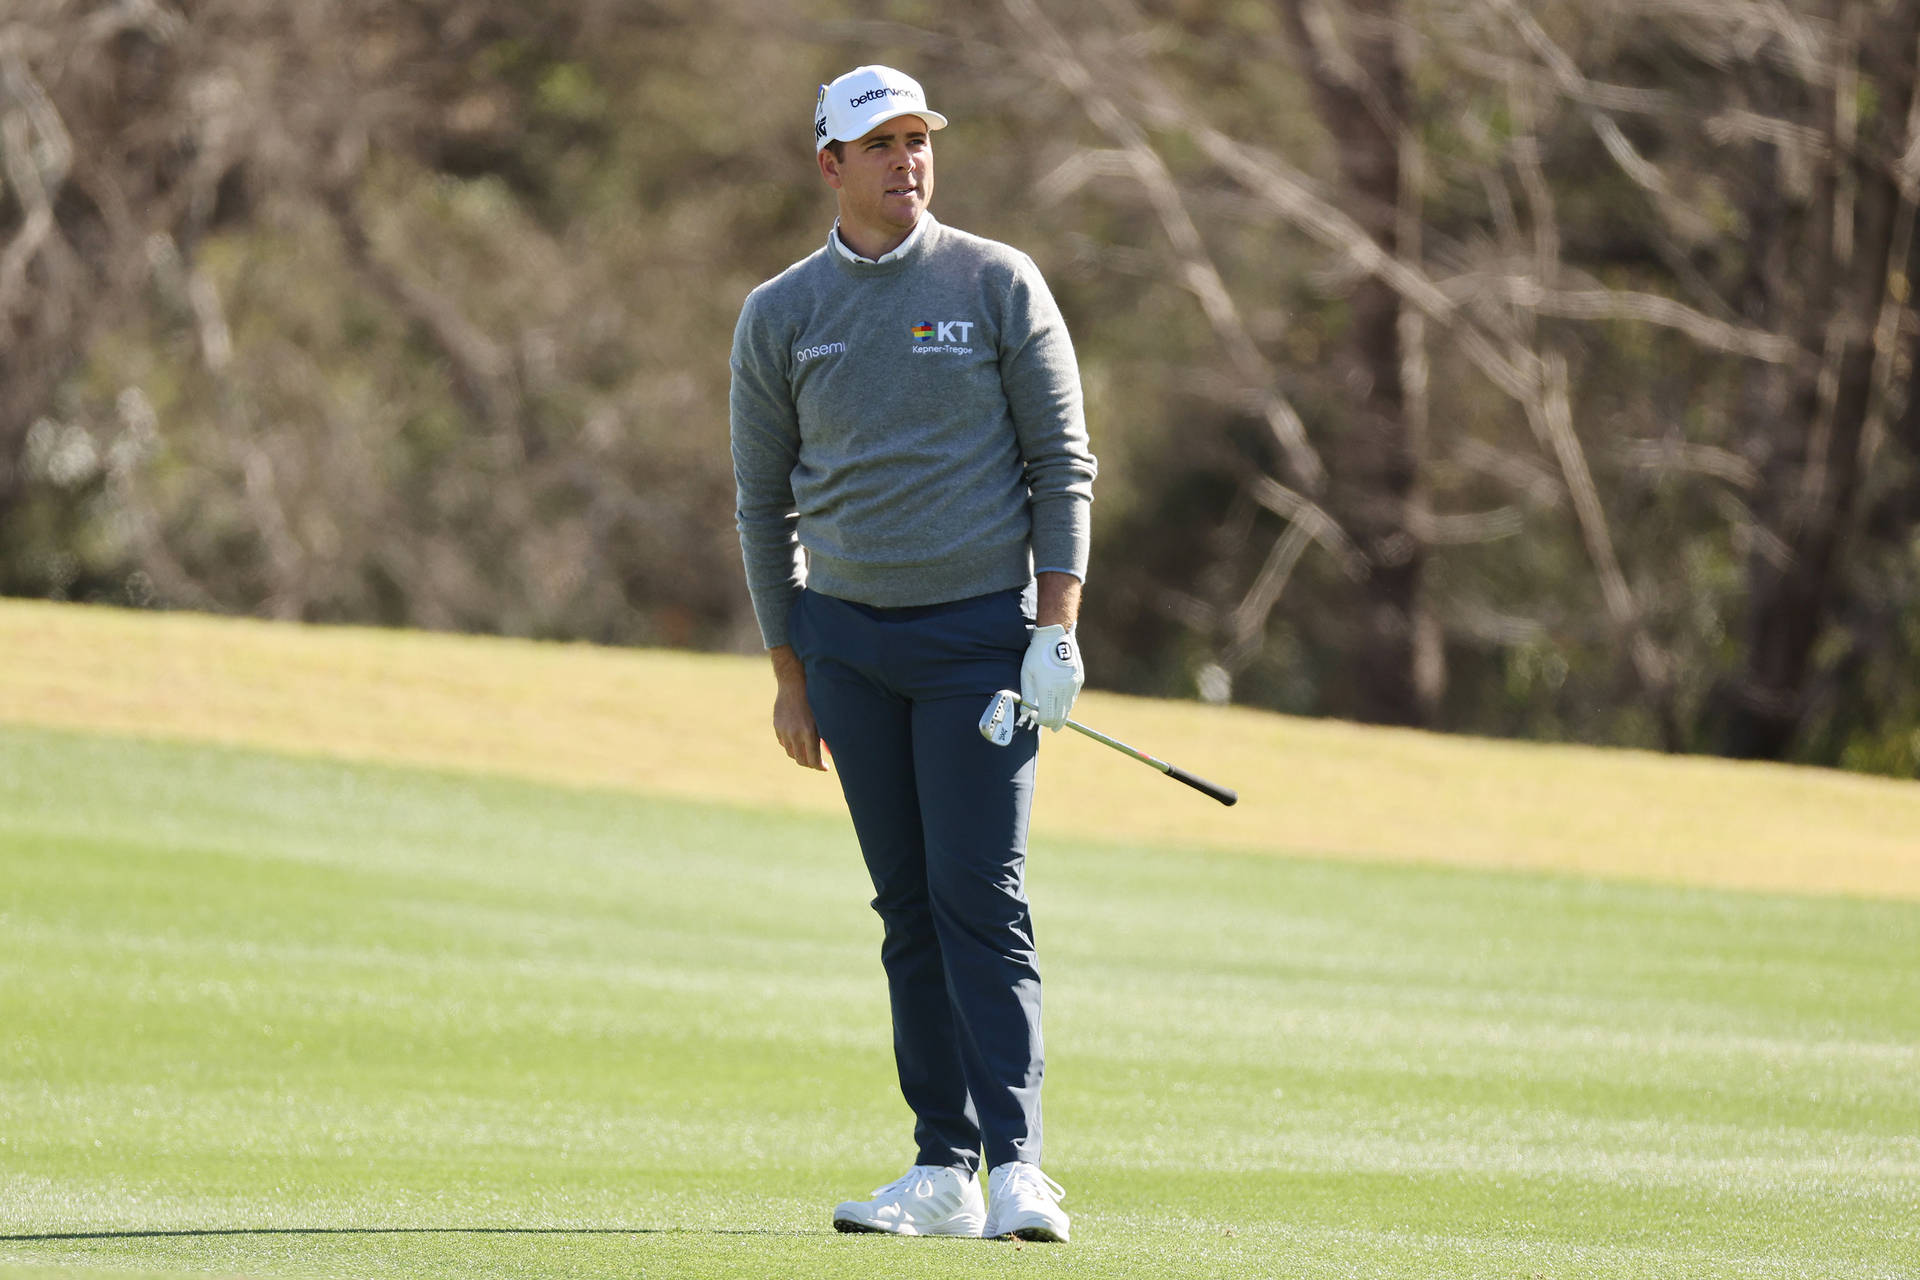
933, 118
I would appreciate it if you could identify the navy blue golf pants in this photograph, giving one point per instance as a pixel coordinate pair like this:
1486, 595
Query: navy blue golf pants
941, 815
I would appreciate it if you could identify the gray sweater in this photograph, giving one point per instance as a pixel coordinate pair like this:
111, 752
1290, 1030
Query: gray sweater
914, 425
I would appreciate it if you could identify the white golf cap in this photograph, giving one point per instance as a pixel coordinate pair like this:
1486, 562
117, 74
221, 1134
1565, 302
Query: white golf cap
852, 106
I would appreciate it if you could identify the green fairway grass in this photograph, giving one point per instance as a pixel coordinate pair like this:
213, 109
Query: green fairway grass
264, 1016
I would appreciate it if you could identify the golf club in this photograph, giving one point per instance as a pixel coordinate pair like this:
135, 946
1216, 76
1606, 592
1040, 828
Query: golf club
997, 726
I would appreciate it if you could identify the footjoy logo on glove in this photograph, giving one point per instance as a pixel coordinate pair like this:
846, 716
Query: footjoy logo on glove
942, 337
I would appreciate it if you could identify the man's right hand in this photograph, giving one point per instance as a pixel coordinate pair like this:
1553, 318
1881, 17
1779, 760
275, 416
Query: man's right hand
792, 716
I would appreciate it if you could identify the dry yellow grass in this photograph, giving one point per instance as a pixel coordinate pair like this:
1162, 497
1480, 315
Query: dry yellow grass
696, 726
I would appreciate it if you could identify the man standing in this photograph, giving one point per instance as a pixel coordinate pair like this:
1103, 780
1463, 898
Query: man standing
914, 483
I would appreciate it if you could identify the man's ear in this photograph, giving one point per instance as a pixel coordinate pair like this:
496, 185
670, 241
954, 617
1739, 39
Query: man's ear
829, 167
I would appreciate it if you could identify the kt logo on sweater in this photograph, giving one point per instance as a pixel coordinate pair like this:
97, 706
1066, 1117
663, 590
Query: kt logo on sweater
931, 336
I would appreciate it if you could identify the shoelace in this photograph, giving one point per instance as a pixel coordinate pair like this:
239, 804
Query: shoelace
918, 1179
1030, 1179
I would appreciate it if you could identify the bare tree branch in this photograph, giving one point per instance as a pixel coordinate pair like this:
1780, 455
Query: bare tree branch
481, 366
1629, 99
1567, 76
1197, 271
1708, 332
1296, 198
1737, 125
1323, 528
1731, 31
1471, 528
286, 559
36, 154
1552, 418
1750, 535
1492, 626
1539, 487
1247, 623
1666, 455
1550, 413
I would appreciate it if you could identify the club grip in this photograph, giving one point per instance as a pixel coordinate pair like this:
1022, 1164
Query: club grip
1225, 795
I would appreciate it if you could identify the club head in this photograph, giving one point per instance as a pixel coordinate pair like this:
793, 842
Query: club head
996, 722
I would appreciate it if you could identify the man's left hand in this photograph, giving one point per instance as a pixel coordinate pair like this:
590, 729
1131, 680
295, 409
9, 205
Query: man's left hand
1050, 677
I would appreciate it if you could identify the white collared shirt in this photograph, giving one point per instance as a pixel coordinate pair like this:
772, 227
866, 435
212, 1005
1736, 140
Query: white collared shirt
899, 250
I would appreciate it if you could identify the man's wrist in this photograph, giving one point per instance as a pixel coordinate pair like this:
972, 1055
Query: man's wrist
1059, 599
787, 666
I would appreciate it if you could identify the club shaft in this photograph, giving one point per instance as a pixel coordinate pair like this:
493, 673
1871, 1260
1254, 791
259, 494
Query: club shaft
1225, 795
1120, 746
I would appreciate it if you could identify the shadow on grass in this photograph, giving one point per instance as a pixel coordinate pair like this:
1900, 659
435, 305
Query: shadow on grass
401, 1231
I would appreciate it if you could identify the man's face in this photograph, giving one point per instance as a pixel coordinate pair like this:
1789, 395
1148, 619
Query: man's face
885, 179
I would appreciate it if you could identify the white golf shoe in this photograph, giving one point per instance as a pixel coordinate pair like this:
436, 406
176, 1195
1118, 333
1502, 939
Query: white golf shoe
925, 1201
1024, 1202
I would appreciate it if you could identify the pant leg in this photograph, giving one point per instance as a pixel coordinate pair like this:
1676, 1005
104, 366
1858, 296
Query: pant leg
868, 728
975, 799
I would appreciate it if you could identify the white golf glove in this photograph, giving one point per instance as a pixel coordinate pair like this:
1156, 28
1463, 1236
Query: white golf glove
1050, 677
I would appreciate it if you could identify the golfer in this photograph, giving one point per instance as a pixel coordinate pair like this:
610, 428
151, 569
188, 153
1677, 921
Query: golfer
914, 484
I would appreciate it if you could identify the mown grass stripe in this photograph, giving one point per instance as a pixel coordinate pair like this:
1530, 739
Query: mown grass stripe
376, 1021
697, 727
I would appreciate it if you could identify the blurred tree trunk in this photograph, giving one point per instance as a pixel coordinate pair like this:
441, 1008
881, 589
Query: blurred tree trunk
1360, 95
1829, 283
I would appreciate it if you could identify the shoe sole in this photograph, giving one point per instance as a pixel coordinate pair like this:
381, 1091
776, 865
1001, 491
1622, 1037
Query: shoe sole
1035, 1234
852, 1227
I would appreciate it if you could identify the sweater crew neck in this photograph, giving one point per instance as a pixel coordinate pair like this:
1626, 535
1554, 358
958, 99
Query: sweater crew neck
918, 240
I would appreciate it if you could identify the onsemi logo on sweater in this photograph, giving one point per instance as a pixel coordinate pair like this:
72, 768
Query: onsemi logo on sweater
942, 336
805, 354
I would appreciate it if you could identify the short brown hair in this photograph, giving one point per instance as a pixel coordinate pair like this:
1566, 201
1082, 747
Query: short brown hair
839, 150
